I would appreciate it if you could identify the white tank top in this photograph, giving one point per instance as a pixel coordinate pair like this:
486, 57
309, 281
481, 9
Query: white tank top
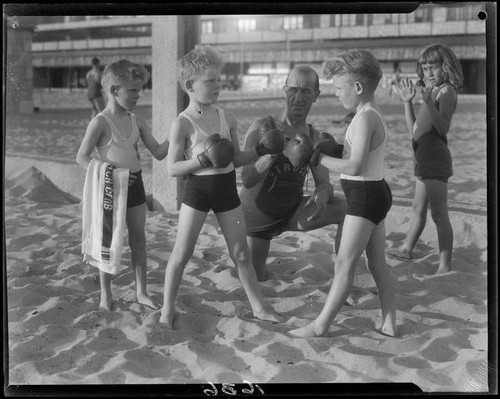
373, 167
122, 148
198, 139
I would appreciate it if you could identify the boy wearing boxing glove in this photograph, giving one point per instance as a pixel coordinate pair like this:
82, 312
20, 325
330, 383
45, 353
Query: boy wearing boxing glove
204, 147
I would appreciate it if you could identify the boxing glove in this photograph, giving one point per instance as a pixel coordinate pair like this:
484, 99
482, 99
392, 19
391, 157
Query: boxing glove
271, 140
299, 150
326, 145
217, 152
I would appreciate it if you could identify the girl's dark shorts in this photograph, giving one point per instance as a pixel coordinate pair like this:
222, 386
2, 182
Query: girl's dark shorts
215, 192
136, 194
367, 199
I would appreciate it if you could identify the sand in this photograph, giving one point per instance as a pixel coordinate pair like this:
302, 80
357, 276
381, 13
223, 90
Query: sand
58, 336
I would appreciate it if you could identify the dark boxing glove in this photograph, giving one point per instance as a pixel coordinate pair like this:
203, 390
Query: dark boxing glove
271, 140
299, 150
326, 145
218, 152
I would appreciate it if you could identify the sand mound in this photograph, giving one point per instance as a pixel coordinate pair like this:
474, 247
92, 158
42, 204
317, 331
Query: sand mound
34, 185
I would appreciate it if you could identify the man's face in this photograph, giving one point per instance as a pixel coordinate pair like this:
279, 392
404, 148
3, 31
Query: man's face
301, 93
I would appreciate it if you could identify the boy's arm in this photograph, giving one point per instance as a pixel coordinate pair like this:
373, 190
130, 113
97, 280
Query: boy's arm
441, 119
240, 157
93, 134
159, 151
363, 128
321, 175
253, 173
176, 163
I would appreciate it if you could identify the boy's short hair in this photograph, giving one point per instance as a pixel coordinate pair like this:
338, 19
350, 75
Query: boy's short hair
95, 61
121, 72
196, 62
361, 65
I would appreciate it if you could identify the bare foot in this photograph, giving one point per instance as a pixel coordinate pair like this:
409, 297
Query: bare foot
388, 331
167, 318
400, 253
106, 303
269, 314
146, 300
350, 301
443, 269
308, 331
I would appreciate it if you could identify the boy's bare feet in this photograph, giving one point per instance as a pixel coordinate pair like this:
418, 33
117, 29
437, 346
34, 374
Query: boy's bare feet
269, 314
388, 331
147, 301
167, 318
400, 253
308, 331
443, 269
106, 303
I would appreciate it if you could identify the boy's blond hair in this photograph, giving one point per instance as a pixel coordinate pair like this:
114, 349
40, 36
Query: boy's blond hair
122, 71
196, 62
361, 65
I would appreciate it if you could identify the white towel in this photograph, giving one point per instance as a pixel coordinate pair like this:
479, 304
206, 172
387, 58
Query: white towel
104, 198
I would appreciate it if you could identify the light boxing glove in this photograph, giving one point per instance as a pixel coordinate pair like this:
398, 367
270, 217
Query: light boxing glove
326, 145
271, 140
217, 153
299, 150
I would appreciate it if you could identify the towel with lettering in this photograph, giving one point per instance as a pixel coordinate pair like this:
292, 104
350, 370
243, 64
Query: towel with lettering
104, 209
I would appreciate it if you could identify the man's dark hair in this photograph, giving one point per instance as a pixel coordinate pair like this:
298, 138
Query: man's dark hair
95, 61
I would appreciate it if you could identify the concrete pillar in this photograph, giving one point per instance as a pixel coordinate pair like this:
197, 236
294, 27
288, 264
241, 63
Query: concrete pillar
19, 79
173, 36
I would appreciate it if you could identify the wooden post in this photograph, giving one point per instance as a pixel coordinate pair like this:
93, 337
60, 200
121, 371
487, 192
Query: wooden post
172, 37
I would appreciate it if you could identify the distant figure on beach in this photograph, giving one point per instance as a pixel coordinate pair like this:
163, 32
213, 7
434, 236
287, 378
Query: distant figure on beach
272, 195
440, 77
94, 87
204, 147
356, 75
115, 134
393, 86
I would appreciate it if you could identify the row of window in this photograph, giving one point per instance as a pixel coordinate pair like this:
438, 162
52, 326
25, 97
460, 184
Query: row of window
291, 22
109, 32
251, 24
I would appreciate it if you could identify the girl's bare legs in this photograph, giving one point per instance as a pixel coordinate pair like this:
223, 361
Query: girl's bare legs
375, 254
437, 192
189, 227
106, 295
136, 221
418, 220
355, 236
233, 228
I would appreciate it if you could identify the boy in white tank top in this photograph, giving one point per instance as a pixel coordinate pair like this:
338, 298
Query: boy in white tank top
209, 164
115, 134
356, 75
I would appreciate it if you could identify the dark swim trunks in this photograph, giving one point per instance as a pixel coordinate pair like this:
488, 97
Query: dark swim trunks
216, 192
136, 194
367, 199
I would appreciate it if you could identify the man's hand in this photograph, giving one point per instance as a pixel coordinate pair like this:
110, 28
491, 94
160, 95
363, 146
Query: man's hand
320, 199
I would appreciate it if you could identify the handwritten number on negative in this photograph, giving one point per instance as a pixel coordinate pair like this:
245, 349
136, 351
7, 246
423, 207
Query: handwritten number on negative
229, 389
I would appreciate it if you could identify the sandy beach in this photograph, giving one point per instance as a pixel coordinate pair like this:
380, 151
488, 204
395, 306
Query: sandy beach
58, 336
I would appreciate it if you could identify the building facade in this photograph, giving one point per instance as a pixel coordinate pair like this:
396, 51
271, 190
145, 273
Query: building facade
260, 49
